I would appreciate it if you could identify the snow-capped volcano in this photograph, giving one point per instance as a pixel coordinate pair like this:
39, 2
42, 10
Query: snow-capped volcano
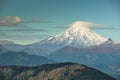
78, 35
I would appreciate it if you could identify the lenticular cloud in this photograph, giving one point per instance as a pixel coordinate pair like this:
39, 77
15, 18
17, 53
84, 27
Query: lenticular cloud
94, 25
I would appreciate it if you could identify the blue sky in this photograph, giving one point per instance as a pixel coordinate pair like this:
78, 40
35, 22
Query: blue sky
44, 18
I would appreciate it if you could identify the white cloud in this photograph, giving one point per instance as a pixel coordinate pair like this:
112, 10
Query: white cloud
10, 21
17, 19
93, 25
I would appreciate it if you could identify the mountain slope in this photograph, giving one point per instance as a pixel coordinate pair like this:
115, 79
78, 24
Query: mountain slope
36, 51
22, 58
57, 71
2, 49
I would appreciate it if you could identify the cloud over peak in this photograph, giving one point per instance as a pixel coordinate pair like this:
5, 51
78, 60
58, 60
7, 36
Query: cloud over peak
91, 25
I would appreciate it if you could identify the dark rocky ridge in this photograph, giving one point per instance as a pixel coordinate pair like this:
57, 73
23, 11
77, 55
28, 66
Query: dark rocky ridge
56, 71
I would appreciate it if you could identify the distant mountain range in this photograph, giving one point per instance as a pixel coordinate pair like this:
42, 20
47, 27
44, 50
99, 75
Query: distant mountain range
105, 52
23, 59
11, 46
56, 71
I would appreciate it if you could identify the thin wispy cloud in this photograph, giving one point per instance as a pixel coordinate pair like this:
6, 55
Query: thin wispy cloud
102, 26
25, 37
16, 21
36, 20
60, 27
40, 30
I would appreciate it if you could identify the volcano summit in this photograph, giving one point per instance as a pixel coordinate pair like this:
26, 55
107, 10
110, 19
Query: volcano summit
78, 35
